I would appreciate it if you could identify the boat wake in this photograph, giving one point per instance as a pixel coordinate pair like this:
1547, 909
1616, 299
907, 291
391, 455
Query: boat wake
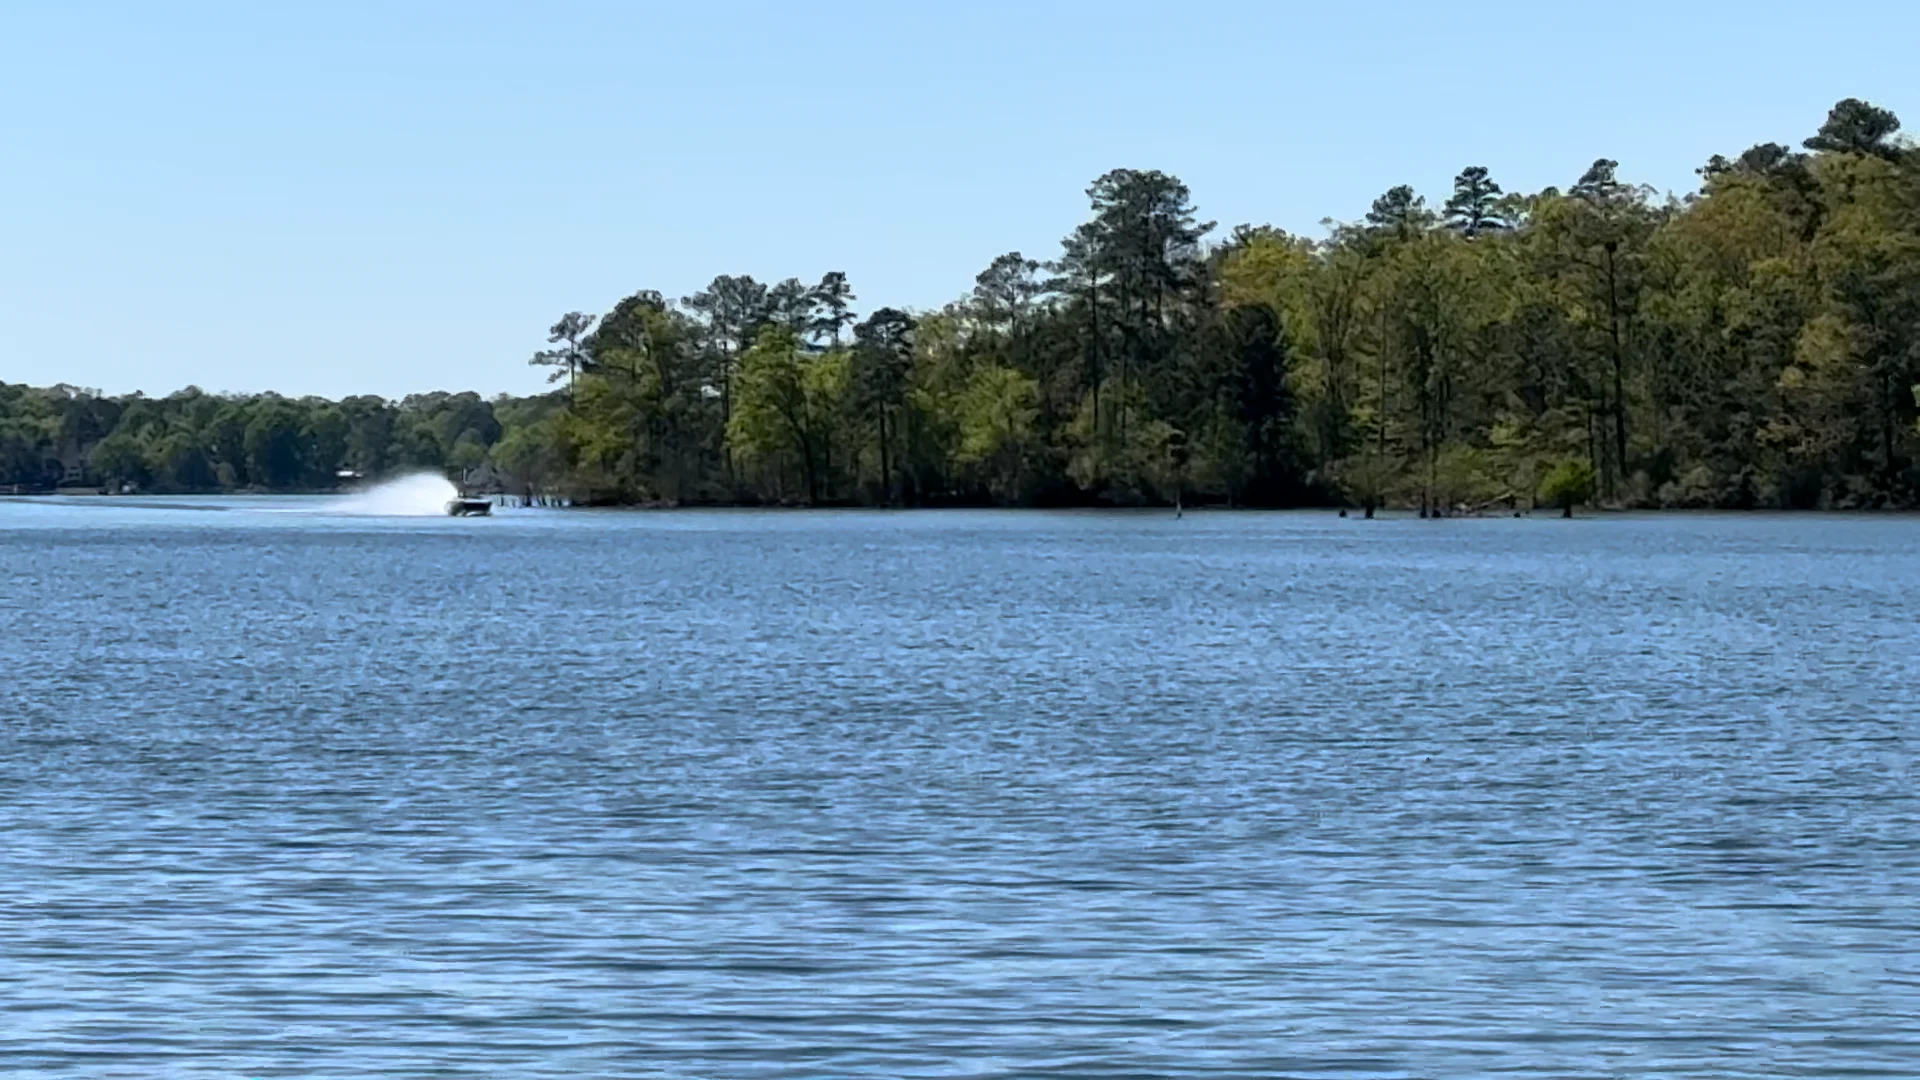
418, 495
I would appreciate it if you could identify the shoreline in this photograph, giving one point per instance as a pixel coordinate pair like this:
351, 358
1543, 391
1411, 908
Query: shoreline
1410, 513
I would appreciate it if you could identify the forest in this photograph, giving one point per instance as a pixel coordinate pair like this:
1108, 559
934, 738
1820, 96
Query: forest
1753, 344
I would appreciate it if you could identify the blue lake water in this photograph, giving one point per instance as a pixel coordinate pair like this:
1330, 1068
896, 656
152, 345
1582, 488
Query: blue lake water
287, 792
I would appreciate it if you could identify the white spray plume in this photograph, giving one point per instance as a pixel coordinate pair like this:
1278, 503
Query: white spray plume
416, 495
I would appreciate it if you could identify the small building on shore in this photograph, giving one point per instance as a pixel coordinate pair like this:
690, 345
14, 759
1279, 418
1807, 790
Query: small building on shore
483, 479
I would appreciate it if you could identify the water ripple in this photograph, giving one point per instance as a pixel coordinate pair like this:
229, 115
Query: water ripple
977, 795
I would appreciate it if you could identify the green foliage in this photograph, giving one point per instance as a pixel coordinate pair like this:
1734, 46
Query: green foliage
119, 460
1856, 127
1400, 213
1567, 485
998, 411
1754, 344
1475, 207
177, 462
784, 408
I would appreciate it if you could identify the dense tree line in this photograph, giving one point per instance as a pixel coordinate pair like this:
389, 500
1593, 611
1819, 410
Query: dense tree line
1754, 344
193, 441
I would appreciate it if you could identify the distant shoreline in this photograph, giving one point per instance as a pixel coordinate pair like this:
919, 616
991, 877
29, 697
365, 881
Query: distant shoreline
1596, 345
1395, 513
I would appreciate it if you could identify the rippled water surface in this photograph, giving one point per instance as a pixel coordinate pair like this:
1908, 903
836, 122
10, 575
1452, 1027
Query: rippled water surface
288, 793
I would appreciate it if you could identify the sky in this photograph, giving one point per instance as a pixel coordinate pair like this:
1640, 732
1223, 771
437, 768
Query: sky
394, 197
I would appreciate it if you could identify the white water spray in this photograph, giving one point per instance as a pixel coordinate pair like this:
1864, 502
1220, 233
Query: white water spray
418, 495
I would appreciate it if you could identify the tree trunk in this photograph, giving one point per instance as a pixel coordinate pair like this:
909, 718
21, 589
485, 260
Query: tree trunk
1886, 424
1433, 477
1380, 425
1656, 393
1619, 366
1093, 346
826, 461
1129, 346
1593, 449
909, 483
726, 419
886, 473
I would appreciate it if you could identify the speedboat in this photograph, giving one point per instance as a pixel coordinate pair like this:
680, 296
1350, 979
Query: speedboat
469, 507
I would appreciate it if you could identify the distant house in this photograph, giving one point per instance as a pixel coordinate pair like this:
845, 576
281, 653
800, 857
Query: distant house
483, 479
71, 465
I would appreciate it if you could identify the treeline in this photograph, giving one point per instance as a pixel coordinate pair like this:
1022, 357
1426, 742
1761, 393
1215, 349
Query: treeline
1755, 344
193, 441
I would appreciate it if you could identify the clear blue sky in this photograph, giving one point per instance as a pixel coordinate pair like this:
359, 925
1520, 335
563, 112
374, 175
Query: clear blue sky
350, 197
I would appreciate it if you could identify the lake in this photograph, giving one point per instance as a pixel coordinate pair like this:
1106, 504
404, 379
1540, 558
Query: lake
286, 791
